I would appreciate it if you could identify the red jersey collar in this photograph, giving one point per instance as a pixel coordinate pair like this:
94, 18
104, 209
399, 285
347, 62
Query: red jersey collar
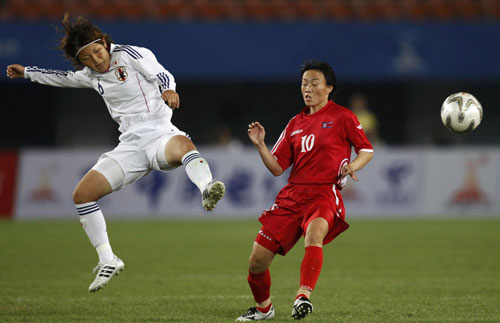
305, 110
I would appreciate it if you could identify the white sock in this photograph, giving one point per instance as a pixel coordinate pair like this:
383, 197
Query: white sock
94, 225
197, 169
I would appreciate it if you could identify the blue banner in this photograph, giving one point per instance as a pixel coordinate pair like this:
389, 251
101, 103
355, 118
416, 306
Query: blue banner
274, 51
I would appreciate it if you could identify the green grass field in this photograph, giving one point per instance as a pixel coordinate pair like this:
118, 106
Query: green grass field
431, 270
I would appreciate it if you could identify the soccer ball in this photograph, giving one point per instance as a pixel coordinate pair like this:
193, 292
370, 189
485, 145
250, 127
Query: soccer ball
461, 112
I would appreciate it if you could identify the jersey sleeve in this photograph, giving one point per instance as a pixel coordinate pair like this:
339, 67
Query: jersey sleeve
356, 135
283, 148
147, 64
57, 78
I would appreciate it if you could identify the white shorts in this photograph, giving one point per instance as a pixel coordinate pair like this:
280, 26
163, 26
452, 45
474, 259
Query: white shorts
136, 154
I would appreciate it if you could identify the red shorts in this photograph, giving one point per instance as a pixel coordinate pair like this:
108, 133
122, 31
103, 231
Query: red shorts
295, 207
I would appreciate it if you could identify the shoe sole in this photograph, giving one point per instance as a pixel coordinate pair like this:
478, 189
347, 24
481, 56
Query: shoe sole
303, 310
118, 271
215, 194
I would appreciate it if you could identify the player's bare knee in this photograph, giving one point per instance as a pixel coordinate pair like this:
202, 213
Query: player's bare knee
79, 197
188, 146
256, 264
82, 196
314, 239
177, 147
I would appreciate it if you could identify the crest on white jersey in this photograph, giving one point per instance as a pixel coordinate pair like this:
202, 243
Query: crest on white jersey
121, 73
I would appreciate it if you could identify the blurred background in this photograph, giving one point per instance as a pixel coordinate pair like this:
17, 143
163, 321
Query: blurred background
236, 61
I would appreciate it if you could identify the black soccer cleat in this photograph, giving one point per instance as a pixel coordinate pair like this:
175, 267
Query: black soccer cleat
301, 308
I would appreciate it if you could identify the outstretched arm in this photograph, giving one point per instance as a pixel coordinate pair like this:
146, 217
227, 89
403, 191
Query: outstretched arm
49, 77
15, 71
257, 133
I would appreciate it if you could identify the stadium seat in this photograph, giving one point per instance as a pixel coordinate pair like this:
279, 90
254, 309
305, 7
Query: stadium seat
389, 10
440, 10
363, 10
490, 9
175, 10
337, 10
415, 10
211, 10
254, 10
24, 10
130, 9
468, 9
309, 9
257, 10
100, 9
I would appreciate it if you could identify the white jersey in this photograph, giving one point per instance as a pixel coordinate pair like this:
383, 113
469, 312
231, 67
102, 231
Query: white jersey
131, 88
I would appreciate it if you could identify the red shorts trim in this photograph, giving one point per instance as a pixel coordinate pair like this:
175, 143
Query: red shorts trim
296, 206
265, 239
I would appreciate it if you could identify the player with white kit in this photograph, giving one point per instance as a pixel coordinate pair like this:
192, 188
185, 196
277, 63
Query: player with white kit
136, 90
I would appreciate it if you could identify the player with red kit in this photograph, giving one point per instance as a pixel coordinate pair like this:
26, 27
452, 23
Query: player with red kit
317, 143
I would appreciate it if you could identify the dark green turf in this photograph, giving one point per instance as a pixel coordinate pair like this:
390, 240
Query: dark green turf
431, 270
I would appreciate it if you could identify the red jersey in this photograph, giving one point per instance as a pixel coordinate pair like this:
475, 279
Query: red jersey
318, 145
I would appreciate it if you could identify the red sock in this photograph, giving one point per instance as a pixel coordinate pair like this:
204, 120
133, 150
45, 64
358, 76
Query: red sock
301, 295
260, 284
265, 309
311, 267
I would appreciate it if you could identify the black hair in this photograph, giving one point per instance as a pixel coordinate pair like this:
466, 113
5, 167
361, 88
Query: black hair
78, 34
323, 67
